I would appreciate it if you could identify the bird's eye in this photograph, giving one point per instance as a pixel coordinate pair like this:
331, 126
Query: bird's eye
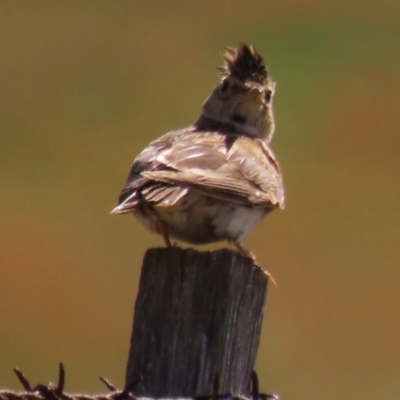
224, 86
268, 96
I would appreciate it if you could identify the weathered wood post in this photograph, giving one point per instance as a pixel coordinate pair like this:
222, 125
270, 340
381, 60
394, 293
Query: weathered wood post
198, 316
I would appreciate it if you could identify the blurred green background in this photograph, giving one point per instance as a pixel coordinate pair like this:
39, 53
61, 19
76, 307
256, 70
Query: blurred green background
85, 85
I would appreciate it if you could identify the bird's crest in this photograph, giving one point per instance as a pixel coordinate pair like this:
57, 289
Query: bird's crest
245, 63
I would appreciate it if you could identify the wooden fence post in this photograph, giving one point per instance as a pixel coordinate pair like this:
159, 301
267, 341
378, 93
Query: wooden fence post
197, 320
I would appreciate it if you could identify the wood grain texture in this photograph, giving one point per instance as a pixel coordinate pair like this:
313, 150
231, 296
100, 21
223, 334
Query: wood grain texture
197, 315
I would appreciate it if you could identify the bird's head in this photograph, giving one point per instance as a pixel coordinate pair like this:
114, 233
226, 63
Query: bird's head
243, 97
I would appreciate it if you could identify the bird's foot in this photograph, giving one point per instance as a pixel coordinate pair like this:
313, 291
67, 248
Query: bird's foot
162, 230
244, 251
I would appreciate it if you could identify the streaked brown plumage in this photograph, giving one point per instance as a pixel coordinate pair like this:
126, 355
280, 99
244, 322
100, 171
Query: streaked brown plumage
217, 179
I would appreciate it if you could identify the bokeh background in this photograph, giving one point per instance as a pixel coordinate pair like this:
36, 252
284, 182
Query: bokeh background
85, 85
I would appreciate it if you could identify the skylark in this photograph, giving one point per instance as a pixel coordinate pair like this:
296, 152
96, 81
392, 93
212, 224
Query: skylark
214, 180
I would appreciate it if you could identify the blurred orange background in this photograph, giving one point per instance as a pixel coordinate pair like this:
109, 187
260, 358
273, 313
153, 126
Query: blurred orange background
84, 86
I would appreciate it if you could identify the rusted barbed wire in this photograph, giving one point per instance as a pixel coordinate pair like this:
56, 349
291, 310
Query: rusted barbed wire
52, 392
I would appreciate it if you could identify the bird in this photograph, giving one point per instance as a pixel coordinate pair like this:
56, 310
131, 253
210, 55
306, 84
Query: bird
218, 178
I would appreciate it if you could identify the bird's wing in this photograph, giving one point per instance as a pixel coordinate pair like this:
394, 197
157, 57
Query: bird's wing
230, 167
